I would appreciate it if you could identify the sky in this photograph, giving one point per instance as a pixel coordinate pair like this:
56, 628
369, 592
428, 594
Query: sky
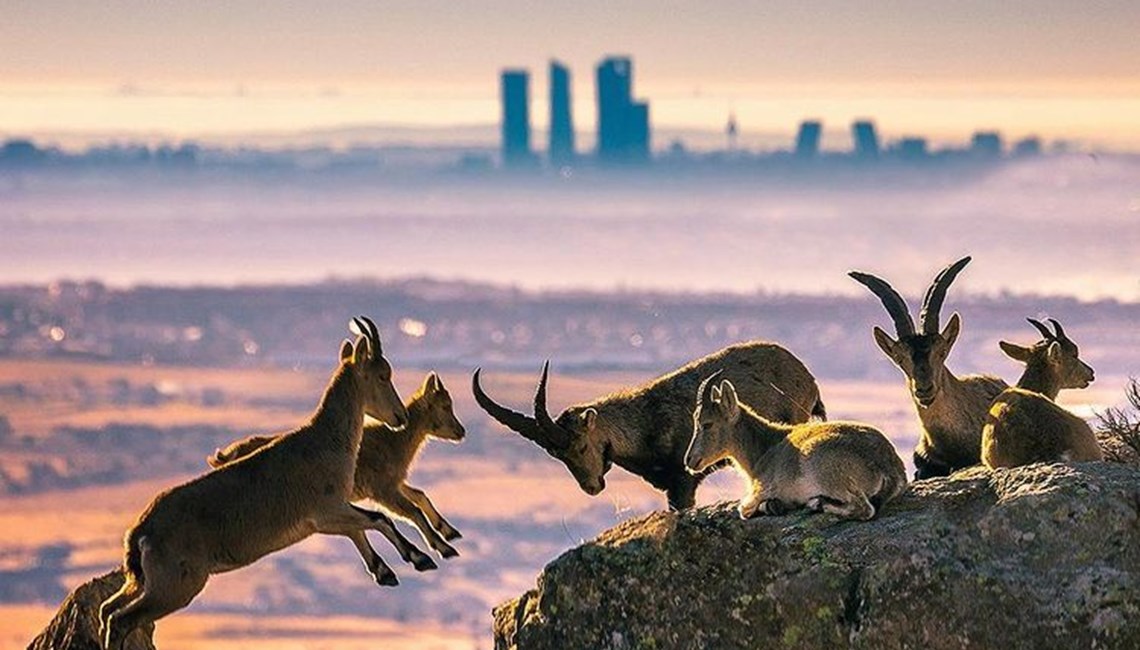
942, 69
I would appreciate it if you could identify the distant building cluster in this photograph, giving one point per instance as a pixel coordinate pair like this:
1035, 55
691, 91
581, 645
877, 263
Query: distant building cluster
624, 129
623, 138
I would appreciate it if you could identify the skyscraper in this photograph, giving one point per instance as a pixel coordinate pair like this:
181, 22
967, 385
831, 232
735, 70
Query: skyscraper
807, 140
623, 125
516, 117
561, 146
866, 139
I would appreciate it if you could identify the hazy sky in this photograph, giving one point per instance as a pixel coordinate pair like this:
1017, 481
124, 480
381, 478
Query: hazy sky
1063, 68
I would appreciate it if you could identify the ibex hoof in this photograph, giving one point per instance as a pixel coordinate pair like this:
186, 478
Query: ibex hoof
387, 580
448, 552
424, 563
451, 534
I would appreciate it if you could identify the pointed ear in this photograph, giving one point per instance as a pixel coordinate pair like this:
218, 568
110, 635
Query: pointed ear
886, 343
715, 395
1055, 352
950, 332
589, 418
728, 401
345, 350
362, 352
1014, 351
432, 384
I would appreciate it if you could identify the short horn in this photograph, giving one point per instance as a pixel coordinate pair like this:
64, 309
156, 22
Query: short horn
704, 392
513, 420
373, 333
1060, 332
1045, 333
892, 301
936, 294
555, 434
357, 327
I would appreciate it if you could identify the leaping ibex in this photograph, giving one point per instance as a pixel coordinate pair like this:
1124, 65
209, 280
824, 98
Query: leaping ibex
298, 485
951, 410
385, 459
1025, 425
647, 429
846, 468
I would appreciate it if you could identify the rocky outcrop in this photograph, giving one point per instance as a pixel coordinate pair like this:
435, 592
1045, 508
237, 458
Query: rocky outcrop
1038, 557
76, 624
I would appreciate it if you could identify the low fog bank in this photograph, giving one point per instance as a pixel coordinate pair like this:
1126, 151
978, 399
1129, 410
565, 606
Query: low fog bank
1052, 225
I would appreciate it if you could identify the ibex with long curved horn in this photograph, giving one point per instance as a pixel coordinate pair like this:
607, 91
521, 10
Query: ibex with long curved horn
1025, 425
951, 410
646, 430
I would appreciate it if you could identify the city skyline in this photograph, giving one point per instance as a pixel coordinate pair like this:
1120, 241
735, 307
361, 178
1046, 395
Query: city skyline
920, 67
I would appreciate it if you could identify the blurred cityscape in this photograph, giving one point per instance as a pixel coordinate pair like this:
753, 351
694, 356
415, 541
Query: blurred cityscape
624, 138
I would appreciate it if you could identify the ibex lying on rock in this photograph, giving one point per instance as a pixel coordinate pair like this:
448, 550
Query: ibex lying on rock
845, 468
290, 489
1024, 424
386, 455
646, 430
950, 410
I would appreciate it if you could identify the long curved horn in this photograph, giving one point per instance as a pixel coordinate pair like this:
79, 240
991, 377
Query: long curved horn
704, 392
1045, 333
892, 301
513, 420
936, 294
1060, 333
554, 434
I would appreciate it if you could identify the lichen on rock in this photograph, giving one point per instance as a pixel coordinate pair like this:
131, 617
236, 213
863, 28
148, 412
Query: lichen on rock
1043, 556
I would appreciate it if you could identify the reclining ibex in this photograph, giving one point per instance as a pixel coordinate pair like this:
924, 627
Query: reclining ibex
950, 410
646, 430
386, 455
845, 468
229, 518
1025, 425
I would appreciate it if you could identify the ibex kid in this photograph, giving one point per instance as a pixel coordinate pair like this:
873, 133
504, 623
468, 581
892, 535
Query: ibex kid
845, 468
1025, 425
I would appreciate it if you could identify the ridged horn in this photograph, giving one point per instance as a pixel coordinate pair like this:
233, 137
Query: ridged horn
513, 420
704, 392
892, 301
936, 294
1045, 333
553, 433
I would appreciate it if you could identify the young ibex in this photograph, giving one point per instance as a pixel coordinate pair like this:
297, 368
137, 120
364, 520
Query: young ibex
950, 410
297, 486
386, 455
646, 430
845, 468
1024, 424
